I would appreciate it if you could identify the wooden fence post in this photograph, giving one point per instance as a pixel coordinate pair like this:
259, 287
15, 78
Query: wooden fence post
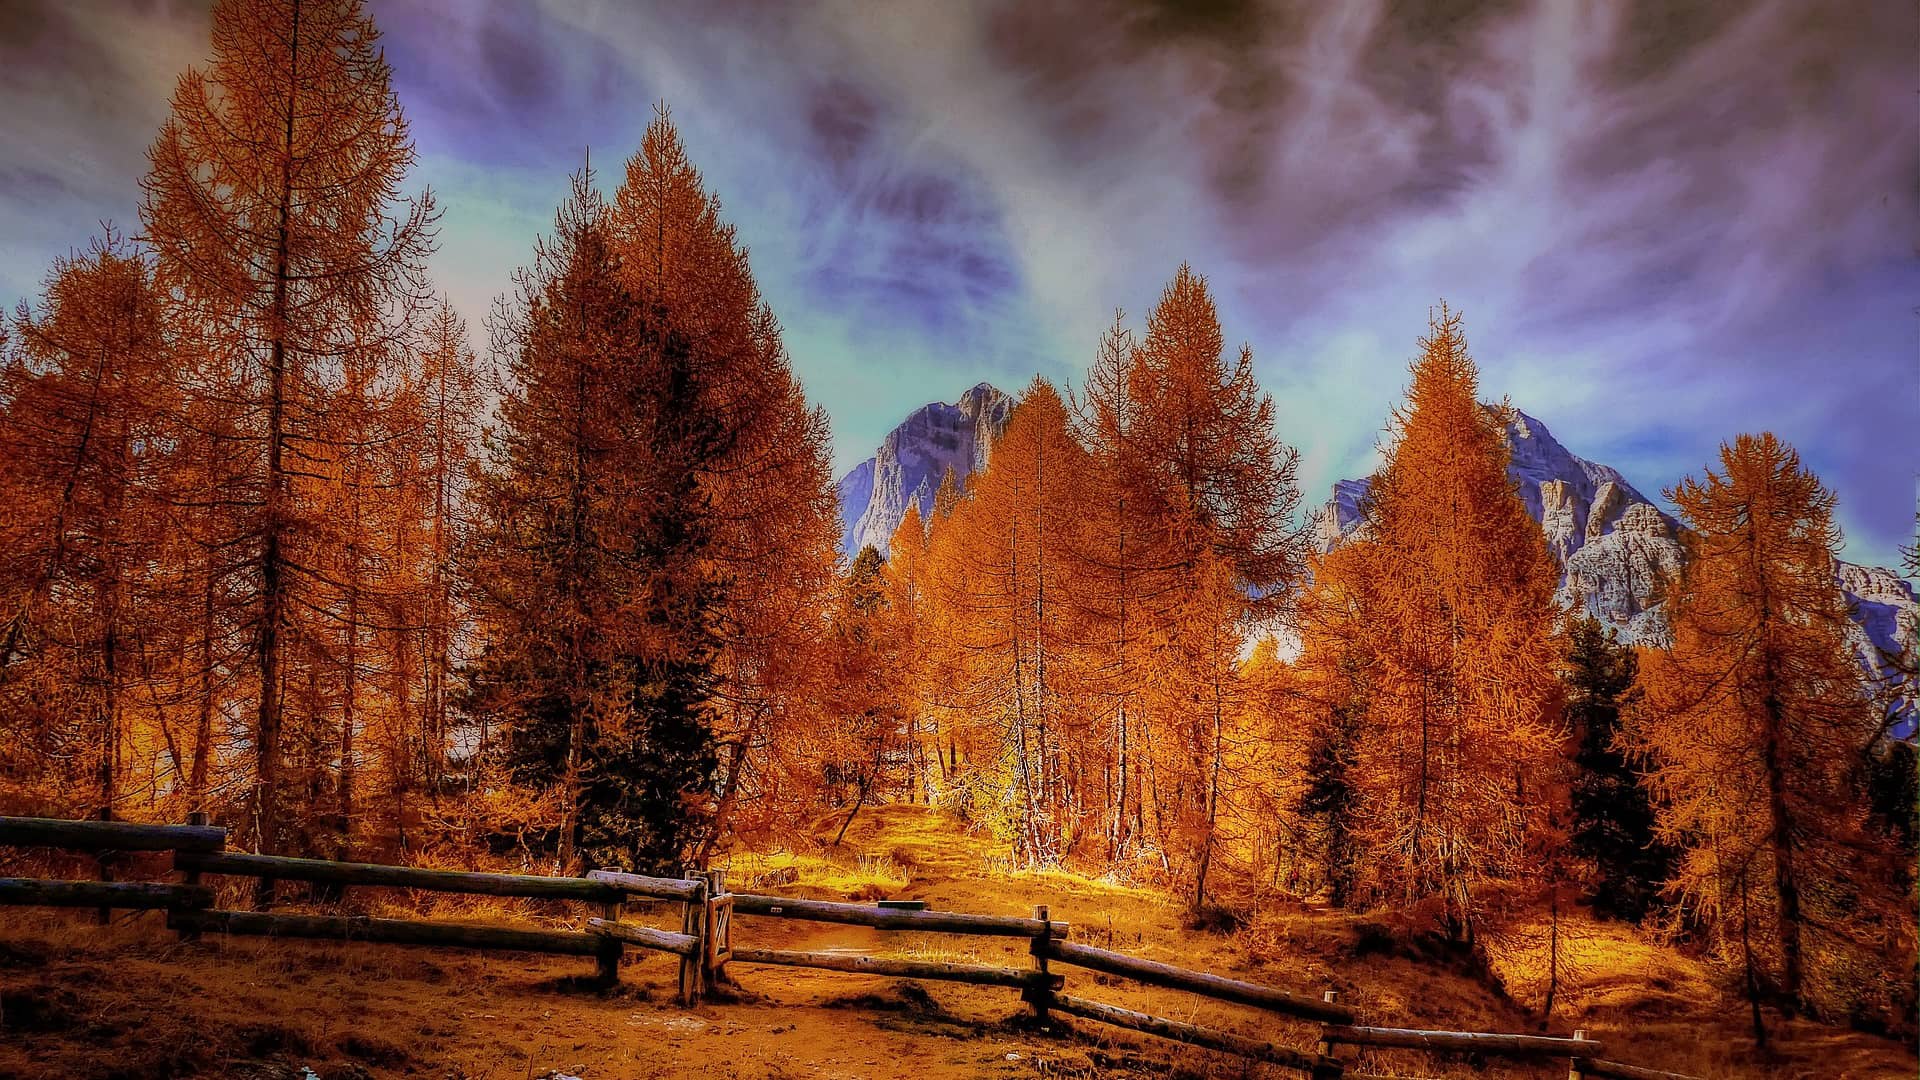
1574, 1071
191, 875
693, 921
716, 945
100, 862
1040, 995
1327, 1068
607, 966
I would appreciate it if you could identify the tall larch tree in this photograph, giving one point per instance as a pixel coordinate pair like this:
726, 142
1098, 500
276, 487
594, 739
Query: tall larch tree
1462, 719
1105, 547
592, 568
1001, 573
1750, 724
449, 399
274, 209
85, 395
775, 517
1214, 493
855, 747
905, 584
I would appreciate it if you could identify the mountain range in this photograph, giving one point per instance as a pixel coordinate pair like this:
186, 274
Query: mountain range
1617, 549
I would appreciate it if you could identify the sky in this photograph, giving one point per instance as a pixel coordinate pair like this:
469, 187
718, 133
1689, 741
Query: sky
1666, 222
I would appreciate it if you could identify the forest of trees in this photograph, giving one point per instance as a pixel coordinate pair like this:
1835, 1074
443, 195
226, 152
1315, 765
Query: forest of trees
281, 545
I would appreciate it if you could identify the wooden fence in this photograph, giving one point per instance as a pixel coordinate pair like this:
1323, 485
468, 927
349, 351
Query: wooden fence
704, 942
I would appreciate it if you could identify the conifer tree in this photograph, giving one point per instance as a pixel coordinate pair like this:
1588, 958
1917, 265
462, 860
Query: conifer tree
1111, 595
1337, 662
1749, 724
268, 208
865, 725
1613, 825
85, 395
772, 508
1213, 492
905, 585
1457, 585
593, 565
1001, 571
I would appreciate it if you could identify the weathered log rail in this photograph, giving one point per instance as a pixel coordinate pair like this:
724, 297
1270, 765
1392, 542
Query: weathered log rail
704, 944
326, 871
935, 970
929, 922
1213, 986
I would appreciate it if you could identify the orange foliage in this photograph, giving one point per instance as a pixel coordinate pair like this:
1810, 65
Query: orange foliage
1755, 724
1447, 606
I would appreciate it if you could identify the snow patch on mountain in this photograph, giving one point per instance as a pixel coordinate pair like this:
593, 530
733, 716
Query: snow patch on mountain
910, 462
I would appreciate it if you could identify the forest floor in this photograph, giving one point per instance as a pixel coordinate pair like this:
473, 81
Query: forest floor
79, 1001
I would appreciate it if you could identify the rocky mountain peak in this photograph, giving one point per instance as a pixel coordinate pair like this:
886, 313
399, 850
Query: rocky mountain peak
910, 461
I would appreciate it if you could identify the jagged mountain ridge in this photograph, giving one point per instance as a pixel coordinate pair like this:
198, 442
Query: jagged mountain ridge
1617, 550
875, 494
1616, 547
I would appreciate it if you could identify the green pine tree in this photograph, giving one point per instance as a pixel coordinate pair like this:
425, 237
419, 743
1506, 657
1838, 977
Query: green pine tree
1331, 799
595, 559
1613, 823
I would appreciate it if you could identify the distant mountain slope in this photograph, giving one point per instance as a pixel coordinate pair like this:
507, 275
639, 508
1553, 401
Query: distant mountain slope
874, 494
1617, 550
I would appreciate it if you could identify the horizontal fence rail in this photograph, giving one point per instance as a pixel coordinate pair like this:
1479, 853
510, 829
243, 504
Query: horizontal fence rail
387, 931
933, 922
327, 871
939, 971
1179, 1031
1213, 986
131, 895
704, 943
647, 937
1463, 1042
1617, 1070
108, 835
623, 884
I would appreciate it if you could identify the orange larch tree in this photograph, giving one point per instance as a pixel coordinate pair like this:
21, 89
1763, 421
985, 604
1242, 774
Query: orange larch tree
271, 208
1754, 724
1212, 494
593, 567
1001, 573
905, 585
772, 496
1109, 586
85, 395
1462, 717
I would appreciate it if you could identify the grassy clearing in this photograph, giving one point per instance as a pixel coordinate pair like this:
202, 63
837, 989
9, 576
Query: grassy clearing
80, 1002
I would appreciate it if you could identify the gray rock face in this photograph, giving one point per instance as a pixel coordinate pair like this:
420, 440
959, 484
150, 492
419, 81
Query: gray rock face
1562, 518
1576, 501
1886, 626
907, 468
1618, 575
1609, 504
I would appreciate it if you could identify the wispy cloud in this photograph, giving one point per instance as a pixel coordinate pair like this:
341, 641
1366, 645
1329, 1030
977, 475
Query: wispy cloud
1666, 223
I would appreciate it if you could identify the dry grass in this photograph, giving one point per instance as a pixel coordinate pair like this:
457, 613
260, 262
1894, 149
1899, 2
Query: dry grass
82, 1002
